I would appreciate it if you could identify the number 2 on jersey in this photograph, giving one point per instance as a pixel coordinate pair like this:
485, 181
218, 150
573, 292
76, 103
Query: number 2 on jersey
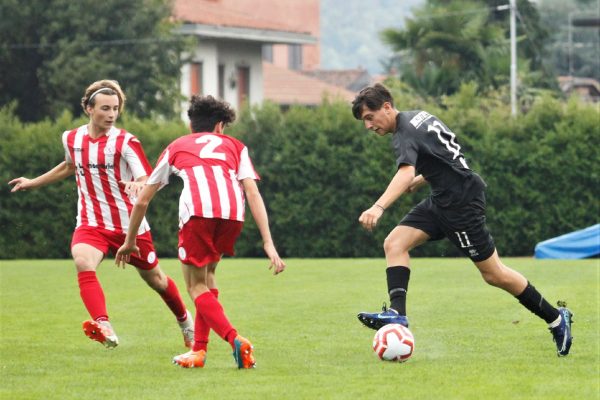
208, 150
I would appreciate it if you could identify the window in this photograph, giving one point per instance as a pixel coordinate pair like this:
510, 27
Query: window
267, 52
221, 81
295, 56
196, 78
243, 85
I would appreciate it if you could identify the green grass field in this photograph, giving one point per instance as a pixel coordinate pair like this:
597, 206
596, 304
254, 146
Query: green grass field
472, 341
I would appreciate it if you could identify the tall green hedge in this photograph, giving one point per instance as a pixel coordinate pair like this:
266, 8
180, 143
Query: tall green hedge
320, 169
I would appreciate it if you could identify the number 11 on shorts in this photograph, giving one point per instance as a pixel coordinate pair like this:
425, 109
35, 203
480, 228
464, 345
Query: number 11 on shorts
463, 239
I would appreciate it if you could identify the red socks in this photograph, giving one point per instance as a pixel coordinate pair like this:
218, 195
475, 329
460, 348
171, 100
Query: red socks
95, 303
210, 313
92, 295
173, 300
201, 328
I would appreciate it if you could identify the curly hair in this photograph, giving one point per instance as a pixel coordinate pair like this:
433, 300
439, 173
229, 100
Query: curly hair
372, 97
205, 112
105, 86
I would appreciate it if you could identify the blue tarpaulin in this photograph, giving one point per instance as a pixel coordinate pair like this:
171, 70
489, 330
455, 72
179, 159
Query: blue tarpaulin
579, 244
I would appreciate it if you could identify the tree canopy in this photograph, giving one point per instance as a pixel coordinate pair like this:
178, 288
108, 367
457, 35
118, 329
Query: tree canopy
50, 50
449, 42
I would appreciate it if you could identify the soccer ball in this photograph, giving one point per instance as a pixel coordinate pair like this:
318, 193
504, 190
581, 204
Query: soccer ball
394, 342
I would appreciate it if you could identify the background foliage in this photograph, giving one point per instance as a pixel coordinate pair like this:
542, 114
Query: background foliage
54, 48
320, 169
447, 43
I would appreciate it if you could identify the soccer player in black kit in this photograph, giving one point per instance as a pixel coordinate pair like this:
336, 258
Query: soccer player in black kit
428, 152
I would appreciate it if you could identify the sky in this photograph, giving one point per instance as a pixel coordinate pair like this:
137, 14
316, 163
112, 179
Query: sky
350, 31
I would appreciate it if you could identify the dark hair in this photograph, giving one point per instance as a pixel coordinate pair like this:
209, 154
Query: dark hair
373, 97
206, 112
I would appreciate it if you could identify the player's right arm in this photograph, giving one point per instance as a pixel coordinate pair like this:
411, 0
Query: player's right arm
60, 172
135, 220
396, 188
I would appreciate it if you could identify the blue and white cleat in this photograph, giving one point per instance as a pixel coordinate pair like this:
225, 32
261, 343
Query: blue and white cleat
562, 333
378, 320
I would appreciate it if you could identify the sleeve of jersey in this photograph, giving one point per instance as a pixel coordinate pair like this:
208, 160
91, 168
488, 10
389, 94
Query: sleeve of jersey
406, 148
65, 137
246, 169
136, 158
162, 171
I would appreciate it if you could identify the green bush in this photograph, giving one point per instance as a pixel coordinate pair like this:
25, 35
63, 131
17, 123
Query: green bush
320, 169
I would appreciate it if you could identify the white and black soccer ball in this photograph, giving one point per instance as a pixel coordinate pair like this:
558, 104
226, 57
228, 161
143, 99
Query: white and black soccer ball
394, 342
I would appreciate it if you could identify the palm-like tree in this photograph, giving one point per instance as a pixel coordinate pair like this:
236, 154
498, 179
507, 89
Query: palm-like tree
447, 43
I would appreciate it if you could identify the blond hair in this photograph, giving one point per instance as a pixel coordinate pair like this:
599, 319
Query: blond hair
105, 86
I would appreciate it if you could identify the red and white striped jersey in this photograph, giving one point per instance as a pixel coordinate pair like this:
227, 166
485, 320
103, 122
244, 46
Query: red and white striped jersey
211, 166
99, 166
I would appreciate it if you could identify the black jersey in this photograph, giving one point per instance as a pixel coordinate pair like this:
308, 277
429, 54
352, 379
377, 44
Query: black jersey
423, 141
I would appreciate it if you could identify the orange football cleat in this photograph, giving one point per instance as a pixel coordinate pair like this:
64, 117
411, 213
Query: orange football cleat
191, 359
102, 332
243, 353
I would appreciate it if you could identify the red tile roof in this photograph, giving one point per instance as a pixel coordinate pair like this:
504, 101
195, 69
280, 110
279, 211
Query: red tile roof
284, 86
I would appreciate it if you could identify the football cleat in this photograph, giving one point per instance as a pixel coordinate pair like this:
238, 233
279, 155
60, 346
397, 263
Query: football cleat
187, 330
101, 331
191, 359
243, 353
378, 320
561, 334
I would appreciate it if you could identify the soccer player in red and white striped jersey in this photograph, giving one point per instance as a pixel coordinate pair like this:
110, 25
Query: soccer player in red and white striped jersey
110, 168
218, 175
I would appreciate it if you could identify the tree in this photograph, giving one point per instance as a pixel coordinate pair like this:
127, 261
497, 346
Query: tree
449, 42
50, 50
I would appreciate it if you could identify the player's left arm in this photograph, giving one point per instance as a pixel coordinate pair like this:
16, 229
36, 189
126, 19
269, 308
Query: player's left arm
259, 212
398, 186
135, 220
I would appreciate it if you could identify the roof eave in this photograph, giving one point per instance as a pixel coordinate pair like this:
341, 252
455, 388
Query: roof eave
248, 34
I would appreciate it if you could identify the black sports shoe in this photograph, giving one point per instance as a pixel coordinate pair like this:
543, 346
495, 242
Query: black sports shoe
561, 334
378, 320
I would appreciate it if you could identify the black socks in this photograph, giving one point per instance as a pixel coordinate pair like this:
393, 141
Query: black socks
397, 281
535, 302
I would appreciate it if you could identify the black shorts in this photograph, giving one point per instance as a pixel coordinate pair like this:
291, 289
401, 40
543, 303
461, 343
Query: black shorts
464, 226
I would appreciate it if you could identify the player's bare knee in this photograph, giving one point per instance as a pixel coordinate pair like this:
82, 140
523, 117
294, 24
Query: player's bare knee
393, 246
491, 278
83, 264
496, 278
